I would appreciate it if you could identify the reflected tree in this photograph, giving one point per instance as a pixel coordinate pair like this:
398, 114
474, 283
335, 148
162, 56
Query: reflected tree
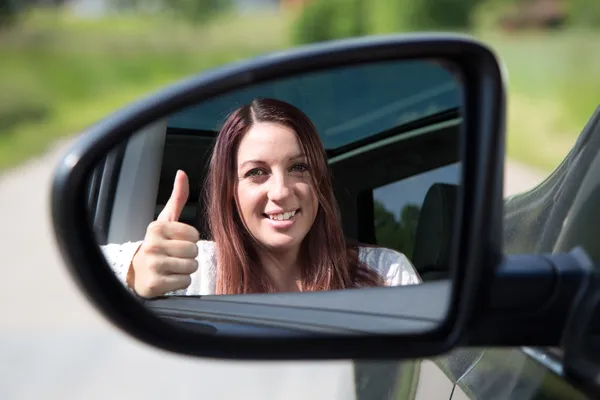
396, 233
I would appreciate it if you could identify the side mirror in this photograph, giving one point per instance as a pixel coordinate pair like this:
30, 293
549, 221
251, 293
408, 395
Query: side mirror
427, 111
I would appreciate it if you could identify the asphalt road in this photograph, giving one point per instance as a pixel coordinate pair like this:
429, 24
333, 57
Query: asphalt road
53, 345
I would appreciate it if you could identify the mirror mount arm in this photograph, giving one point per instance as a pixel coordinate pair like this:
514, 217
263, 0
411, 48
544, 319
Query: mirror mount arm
531, 299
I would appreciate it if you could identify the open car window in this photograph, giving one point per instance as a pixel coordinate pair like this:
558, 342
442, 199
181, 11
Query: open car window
379, 177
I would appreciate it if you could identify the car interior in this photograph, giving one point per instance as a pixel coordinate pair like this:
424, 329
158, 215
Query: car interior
400, 128
145, 167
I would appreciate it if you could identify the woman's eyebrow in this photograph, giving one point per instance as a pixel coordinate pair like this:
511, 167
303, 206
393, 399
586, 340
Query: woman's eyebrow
251, 162
297, 157
260, 162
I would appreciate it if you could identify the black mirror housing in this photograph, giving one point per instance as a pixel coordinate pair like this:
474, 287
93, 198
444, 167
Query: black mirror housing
477, 250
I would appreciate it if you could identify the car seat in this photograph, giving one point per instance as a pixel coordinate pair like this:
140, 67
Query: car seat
433, 240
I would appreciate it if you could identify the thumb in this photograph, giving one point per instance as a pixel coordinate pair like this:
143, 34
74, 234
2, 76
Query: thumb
179, 196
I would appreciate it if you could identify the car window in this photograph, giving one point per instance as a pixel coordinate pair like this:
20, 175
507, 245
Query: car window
397, 207
536, 221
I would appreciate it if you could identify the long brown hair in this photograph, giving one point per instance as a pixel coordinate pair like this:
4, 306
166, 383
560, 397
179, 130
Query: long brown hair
328, 261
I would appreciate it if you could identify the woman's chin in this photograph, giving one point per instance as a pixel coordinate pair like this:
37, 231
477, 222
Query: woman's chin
283, 243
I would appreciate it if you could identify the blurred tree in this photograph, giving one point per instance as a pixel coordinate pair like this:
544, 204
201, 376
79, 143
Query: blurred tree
532, 14
584, 13
197, 10
389, 16
396, 234
8, 11
409, 217
440, 14
323, 20
488, 14
194, 11
333, 19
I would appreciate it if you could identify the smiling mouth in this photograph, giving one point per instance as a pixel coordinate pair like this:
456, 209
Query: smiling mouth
283, 216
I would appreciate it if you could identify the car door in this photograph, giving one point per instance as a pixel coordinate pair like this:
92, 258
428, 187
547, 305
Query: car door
535, 221
520, 373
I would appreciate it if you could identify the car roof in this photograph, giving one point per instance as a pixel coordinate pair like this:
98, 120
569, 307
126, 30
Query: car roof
390, 97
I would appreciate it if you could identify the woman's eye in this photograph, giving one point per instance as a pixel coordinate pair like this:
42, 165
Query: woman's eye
300, 168
254, 172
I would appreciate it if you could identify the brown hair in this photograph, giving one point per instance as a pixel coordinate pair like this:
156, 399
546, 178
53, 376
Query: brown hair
329, 262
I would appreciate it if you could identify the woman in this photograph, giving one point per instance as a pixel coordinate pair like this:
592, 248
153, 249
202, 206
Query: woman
272, 216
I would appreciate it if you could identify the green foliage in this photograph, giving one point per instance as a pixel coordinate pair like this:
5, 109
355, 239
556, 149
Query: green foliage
440, 14
21, 104
194, 11
8, 12
389, 16
398, 234
584, 13
197, 10
59, 73
11, 10
489, 13
323, 20
333, 19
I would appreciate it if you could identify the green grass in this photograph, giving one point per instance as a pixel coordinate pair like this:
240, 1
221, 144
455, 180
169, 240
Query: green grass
59, 74
553, 89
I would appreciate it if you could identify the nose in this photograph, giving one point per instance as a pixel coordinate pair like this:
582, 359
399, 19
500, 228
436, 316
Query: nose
279, 188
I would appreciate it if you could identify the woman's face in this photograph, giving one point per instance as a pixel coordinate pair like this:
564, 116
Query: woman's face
274, 192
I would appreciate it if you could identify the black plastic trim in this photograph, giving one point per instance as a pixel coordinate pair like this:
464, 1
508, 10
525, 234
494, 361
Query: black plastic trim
107, 192
443, 116
532, 298
94, 189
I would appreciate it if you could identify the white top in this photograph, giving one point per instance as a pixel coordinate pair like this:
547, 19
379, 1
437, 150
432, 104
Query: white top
392, 265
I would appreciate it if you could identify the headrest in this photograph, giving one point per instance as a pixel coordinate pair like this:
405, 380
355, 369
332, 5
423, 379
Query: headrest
433, 241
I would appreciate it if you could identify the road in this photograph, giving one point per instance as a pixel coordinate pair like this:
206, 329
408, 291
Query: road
54, 345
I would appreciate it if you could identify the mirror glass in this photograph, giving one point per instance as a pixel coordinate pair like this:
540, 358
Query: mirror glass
344, 178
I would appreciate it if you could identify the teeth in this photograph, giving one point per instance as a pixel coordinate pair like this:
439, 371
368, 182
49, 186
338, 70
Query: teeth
283, 217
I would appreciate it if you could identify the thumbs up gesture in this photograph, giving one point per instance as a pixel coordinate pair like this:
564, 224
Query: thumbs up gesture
167, 256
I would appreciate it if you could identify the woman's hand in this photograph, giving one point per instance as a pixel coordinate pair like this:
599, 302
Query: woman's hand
167, 256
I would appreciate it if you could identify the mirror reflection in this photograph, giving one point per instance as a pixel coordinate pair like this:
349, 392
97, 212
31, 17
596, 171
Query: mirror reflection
338, 179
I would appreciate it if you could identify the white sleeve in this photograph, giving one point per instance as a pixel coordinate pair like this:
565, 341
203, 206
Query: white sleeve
204, 280
402, 272
119, 258
393, 266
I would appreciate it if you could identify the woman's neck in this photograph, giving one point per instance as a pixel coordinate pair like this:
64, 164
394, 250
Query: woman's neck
283, 269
